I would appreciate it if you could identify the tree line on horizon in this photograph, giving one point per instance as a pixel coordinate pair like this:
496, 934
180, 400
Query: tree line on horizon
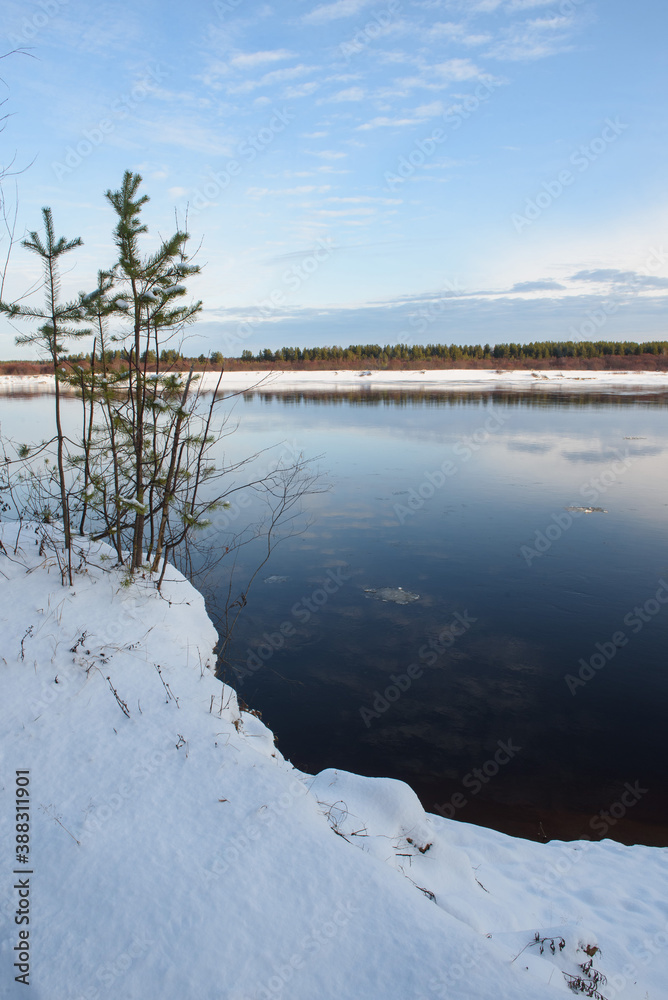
415, 353
536, 350
456, 352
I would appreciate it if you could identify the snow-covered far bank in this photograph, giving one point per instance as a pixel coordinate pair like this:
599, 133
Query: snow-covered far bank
421, 380
440, 379
171, 852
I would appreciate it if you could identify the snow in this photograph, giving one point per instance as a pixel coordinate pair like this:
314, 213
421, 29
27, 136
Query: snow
439, 380
429, 380
174, 853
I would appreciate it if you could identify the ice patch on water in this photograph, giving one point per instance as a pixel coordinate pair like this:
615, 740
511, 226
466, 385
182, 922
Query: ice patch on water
276, 579
587, 510
397, 595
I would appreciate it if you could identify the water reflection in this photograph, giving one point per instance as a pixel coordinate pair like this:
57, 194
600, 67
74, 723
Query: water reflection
457, 540
470, 513
539, 397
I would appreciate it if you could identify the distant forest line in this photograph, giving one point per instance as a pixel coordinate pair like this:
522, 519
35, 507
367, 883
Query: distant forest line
594, 355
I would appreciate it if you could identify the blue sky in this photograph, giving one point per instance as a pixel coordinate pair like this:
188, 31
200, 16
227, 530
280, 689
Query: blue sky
358, 171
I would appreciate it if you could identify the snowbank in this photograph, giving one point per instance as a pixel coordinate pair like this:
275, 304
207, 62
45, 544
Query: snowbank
428, 380
173, 853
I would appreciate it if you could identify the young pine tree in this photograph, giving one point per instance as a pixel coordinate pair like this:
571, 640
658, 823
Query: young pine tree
147, 291
51, 337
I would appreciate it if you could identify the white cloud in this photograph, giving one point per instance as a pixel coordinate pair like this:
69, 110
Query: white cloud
249, 60
324, 13
439, 76
384, 122
484, 6
351, 94
276, 76
216, 69
301, 90
327, 154
362, 199
458, 33
343, 77
527, 4
335, 213
184, 134
458, 70
254, 192
400, 58
534, 39
434, 110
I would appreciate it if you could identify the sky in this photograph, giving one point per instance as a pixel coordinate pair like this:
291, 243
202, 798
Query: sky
355, 171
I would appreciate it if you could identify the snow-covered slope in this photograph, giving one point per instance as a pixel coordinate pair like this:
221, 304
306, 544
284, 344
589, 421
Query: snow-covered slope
174, 853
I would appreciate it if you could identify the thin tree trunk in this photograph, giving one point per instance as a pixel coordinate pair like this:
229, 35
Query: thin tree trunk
171, 475
140, 383
59, 429
114, 454
88, 435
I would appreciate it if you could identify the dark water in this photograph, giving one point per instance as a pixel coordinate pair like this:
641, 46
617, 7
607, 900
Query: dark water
457, 541
547, 706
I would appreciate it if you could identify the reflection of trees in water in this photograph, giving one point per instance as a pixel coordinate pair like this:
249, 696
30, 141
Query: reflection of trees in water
543, 398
